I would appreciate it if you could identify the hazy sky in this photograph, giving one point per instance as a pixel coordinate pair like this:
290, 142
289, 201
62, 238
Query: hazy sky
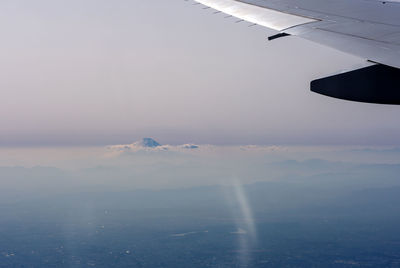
106, 72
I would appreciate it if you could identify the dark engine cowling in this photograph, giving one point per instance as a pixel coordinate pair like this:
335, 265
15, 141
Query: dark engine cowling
373, 84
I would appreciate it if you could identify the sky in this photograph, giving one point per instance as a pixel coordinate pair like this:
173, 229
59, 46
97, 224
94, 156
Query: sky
99, 72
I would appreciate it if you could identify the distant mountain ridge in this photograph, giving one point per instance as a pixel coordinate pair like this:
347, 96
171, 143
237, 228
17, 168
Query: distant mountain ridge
151, 144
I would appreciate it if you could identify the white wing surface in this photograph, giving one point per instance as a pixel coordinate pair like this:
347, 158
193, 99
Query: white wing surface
369, 29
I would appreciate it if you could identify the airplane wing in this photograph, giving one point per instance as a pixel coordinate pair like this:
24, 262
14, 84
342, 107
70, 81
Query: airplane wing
369, 29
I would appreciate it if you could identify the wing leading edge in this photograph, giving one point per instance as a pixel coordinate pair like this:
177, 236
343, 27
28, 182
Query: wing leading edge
263, 16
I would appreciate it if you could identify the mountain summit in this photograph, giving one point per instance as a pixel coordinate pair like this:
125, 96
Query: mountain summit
149, 142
